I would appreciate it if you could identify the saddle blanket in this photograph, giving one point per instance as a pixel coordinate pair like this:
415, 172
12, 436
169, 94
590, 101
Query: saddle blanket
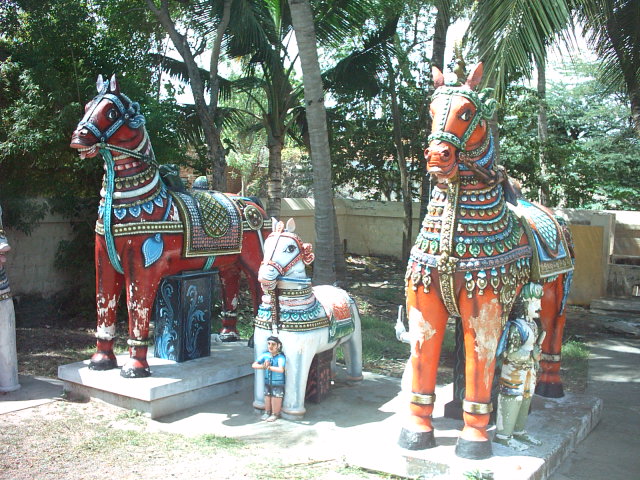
551, 253
212, 223
336, 303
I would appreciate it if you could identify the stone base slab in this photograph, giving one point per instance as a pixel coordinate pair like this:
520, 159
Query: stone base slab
172, 386
559, 423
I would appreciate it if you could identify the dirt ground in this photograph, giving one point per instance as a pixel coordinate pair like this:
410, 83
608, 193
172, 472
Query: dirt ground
66, 440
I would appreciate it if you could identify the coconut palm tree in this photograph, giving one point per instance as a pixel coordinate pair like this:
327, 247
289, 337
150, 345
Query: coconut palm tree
512, 33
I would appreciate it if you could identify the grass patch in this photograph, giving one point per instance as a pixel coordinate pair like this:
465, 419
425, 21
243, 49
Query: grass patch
575, 366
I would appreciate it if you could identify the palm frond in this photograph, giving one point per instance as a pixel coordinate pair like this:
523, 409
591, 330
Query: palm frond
359, 72
612, 31
177, 70
509, 34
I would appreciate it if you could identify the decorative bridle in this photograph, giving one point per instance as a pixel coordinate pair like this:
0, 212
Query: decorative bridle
128, 115
485, 108
305, 254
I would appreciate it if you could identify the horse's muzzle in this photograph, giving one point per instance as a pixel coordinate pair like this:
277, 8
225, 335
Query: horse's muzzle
441, 160
85, 142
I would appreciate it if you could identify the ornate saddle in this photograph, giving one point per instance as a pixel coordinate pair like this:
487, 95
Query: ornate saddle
551, 252
341, 322
212, 223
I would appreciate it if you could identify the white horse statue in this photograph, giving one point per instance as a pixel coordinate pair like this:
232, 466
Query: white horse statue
308, 320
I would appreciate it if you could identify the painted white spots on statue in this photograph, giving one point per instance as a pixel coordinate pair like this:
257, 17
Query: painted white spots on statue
419, 329
104, 305
488, 327
234, 303
106, 332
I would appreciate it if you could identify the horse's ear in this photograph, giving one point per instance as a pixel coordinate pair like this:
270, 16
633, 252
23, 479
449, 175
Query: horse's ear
274, 224
438, 77
291, 225
113, 84
99, 83
307, 253
473, 80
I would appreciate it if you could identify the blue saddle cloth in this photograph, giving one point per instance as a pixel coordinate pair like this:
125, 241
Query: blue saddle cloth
551, 254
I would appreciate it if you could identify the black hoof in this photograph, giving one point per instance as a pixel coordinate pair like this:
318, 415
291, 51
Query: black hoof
550, 390
229, 337
473, 450
416, 440
135, 372
104, 363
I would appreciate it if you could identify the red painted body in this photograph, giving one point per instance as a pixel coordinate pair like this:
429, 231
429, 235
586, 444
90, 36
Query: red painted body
135, 173
483, 311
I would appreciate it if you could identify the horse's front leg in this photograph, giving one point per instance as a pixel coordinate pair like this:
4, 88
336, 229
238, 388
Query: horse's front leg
427, 324
299, 348
141, 286
482, 327
230, 279
108, 289
550, 384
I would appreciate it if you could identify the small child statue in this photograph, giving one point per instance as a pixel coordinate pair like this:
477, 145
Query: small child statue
272, 362
520, 349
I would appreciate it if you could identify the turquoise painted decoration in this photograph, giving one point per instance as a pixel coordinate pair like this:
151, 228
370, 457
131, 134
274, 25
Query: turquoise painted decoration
152, 249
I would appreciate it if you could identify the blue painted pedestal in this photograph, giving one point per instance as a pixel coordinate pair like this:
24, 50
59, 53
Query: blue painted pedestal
182, 315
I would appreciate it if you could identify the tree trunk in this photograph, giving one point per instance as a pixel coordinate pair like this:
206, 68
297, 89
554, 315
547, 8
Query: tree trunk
543, 131
302, 19
402, 166
206, 113
440, 38
274, 187
634, 96
437, 59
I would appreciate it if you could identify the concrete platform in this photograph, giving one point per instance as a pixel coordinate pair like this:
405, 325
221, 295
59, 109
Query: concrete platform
360, 423
559, 424
172, 386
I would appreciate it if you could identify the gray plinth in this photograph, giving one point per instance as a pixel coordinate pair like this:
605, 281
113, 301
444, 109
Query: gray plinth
559, 423
172, 386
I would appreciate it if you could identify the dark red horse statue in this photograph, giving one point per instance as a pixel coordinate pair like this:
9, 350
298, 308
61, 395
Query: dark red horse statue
146, 232
472, 256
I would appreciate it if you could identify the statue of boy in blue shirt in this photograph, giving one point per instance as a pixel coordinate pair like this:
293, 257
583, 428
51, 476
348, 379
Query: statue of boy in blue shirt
272, 362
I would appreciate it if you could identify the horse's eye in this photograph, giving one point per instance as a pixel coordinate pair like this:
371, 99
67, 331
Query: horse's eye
290, 249
465, 116
112, 114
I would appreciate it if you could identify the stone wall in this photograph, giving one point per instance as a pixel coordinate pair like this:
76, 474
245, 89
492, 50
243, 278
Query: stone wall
30, 264
366, 228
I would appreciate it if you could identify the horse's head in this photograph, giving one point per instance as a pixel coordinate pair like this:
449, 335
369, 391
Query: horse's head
460, 117
4, 243
285, 255
110, 120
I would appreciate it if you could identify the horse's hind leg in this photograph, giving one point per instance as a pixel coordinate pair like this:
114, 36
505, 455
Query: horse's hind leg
352, 348
427, 324
230, 278
550, 384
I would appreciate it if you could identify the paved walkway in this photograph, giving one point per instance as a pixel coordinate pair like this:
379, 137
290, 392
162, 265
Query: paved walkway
612, 449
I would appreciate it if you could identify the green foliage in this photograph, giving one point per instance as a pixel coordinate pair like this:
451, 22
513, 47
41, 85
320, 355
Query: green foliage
593, 154
478, 474
51, 53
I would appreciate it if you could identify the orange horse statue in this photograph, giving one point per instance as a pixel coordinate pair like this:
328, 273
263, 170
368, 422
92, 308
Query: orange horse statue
146, 231
474, 252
